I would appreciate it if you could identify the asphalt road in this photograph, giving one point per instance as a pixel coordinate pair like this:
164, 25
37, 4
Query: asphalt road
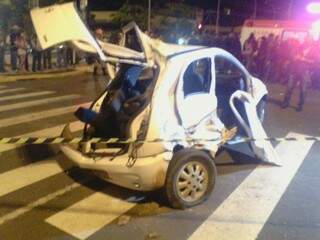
42, 198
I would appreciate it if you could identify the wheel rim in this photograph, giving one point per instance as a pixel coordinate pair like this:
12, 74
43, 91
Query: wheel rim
192, 181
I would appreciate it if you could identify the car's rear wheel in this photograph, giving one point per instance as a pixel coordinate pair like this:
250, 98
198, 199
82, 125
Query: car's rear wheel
190, 178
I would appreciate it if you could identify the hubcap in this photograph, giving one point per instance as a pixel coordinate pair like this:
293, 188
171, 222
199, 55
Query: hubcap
192, 181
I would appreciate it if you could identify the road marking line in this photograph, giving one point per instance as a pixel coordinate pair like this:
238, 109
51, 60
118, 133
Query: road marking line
15, 214
16, 106
33, 94
86, 217
18, 178
243, 214
38, 115
12, 90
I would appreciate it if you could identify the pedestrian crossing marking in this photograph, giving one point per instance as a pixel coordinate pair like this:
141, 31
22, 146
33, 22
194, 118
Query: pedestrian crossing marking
25, 104
33, 116
18, 178
86, 217
26, 95
53, 131
17, 213
11, 90
243, 214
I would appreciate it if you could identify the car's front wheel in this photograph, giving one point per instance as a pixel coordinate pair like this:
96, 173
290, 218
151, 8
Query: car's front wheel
190, 178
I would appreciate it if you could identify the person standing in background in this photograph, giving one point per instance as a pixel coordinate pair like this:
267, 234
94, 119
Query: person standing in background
28, 51
11, 41
21, 51
36, 54
47, 59
61, 56
69, 55
249, 48
233, 45
97, 62
300, 73
2, 52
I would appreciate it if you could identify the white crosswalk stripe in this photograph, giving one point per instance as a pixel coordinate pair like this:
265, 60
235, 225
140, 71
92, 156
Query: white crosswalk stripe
40, 202
26, 95
48, 132
34, 116
11, 90
26, 175
86, 217
18, 178
244, 213
16, 106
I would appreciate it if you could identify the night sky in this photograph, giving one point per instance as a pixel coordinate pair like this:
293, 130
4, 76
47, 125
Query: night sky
265, 7
240, 9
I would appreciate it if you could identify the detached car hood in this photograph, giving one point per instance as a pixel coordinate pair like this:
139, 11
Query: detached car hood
61, 23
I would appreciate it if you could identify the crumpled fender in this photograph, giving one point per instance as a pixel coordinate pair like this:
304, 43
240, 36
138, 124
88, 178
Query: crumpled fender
258, 90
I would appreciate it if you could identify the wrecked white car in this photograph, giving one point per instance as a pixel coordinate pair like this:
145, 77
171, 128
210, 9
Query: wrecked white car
175, 103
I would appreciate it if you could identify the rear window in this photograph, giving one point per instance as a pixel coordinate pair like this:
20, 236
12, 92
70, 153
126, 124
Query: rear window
132, 41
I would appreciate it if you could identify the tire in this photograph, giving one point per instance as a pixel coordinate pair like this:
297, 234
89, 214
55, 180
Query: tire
199, 183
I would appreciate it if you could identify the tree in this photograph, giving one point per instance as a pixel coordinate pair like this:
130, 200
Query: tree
128, 13
166, 17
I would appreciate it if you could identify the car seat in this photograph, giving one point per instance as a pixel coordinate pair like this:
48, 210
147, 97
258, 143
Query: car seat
192, 83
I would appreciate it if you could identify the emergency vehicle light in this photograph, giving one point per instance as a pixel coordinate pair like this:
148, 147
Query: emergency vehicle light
314, 8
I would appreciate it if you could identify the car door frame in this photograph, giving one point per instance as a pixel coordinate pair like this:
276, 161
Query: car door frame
262, 150
179, 94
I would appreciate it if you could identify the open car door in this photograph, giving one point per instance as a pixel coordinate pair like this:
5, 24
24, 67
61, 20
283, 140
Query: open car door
62, 23
253, 127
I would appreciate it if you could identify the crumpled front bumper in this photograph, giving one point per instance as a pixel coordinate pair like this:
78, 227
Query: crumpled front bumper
146, 174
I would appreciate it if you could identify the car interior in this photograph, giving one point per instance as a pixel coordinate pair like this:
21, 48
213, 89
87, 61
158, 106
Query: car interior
197, 77
127, 95
229, 78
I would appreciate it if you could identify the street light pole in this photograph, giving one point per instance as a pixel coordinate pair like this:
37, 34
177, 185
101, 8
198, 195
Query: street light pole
290, 9
255, 10
218, 17
149, 17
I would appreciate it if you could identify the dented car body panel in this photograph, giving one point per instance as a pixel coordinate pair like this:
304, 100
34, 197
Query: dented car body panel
186, 96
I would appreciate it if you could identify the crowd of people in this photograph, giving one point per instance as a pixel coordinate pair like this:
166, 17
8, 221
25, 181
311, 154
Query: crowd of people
25, 53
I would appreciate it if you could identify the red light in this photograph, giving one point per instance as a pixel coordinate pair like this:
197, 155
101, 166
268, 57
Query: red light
314, 8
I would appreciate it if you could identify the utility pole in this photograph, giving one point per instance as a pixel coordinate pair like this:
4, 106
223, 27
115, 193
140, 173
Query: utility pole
290, 9
218, 17
149, 16
33, 4
255, 10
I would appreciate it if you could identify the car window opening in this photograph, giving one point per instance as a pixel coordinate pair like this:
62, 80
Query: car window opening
132, 41
197, 77
229, 78
127, 95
